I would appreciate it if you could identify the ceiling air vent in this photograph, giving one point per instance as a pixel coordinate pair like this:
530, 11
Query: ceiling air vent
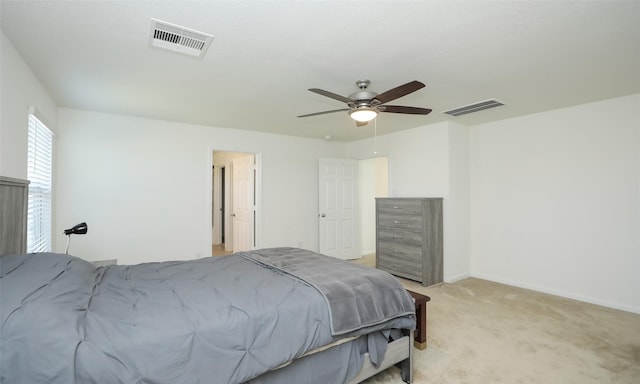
479, 106
178, 39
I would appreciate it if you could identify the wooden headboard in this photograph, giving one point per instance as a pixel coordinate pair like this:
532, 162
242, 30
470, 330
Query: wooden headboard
13, 215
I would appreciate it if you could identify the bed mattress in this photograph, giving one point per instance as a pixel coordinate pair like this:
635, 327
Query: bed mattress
214, 320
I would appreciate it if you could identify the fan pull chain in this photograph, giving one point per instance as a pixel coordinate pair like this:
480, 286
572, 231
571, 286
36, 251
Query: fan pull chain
375, 136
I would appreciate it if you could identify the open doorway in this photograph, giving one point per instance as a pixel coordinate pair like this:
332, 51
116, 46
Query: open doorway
235, 193
373, 175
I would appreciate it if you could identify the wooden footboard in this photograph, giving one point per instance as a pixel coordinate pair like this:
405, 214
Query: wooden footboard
399, 352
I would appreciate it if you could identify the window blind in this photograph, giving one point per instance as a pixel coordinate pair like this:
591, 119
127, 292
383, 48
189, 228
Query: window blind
39, 173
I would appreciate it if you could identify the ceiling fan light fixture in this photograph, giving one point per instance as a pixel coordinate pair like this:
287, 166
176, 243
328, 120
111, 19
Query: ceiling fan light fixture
363, 114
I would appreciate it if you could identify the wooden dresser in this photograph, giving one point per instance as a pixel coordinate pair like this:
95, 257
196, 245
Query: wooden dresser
409, 238
13, 215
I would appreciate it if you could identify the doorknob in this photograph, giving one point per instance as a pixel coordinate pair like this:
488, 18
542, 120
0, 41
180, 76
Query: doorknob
233, 215
322, 215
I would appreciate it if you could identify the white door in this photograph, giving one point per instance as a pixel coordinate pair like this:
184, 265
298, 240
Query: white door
338, 208
243, 203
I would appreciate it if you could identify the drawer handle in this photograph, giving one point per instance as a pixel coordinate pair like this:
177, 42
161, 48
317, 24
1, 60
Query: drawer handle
395, 221
396, 207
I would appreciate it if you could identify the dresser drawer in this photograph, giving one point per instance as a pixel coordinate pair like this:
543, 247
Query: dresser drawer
400, 207
409, 253
411, 223
400, 236
398, 267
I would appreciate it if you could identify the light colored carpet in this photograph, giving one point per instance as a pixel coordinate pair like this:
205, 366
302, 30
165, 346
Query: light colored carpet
484, 332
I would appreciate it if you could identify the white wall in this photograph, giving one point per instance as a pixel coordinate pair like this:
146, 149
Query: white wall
143, 185
555, 202
457, 206
19, 91
417, 160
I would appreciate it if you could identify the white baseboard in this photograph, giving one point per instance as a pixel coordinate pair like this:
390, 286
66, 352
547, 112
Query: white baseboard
568, 295
453, 279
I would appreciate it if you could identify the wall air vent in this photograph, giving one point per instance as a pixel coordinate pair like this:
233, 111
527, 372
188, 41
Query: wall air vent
475, 107
178, 39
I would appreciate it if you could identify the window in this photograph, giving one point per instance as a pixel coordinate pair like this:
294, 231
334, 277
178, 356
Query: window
39, 173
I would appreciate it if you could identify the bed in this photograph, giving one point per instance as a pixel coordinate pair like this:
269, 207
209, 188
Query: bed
275, 315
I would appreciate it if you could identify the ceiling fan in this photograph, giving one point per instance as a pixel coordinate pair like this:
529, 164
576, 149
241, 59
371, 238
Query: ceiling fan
365, 105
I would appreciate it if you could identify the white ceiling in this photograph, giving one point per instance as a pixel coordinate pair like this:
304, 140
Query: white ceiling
531, 55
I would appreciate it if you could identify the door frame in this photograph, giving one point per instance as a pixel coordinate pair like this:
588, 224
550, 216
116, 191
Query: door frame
257, 230
217, 222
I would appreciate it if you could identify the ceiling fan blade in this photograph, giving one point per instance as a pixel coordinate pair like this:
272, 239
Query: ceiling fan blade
361, 123
398, 92
331, 95
403, 109
324, 112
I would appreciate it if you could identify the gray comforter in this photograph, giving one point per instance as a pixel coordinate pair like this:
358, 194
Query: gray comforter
213, 320
357, 296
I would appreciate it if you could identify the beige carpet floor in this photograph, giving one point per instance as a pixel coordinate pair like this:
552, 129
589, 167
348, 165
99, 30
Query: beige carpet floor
484, 332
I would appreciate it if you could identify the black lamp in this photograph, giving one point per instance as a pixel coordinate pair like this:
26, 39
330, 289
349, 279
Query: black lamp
78, 229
